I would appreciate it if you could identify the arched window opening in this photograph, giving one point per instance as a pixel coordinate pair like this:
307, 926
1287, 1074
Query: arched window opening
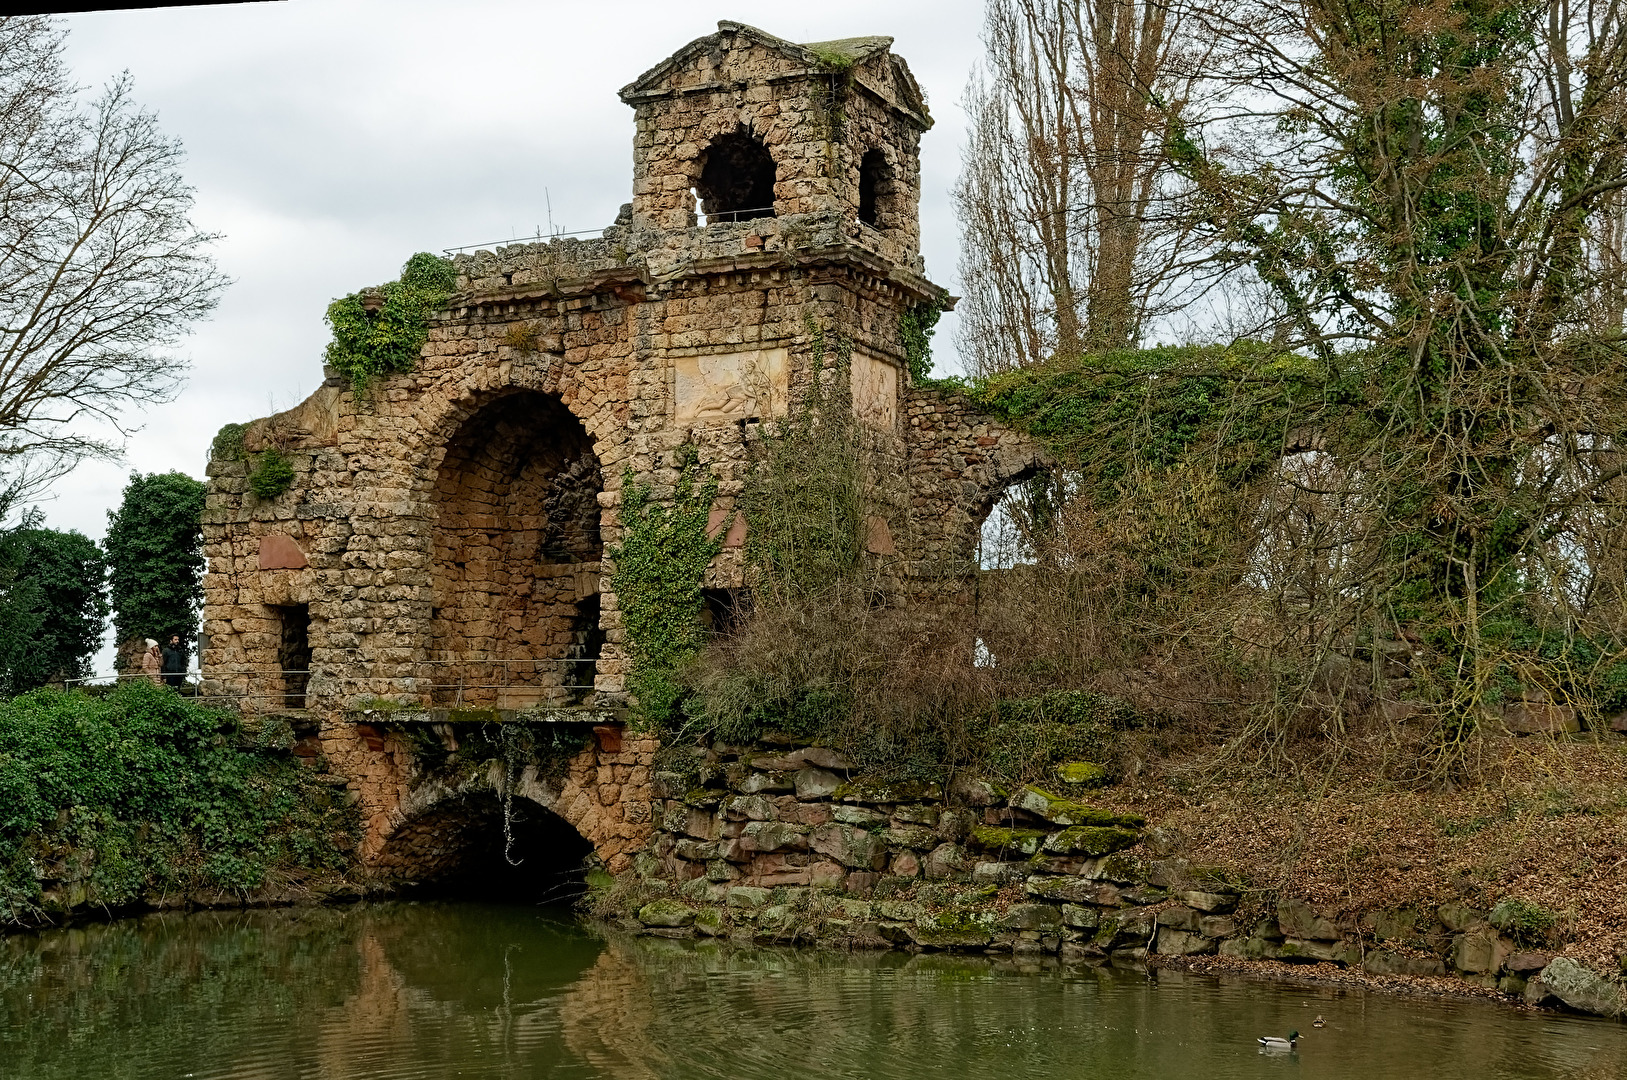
737, 179
875, 182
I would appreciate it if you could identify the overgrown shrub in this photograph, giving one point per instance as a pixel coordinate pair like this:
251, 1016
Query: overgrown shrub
273, 474
105, 800
380, 331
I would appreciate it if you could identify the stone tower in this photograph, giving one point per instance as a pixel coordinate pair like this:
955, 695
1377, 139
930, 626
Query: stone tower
443, 549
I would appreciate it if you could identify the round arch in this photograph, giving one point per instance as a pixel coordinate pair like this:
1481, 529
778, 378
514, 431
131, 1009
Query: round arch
515, 554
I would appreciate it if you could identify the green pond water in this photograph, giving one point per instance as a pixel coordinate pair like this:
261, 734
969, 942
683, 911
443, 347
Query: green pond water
457, 989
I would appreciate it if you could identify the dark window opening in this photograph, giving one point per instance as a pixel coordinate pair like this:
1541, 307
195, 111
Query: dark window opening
723, 610
294, 654
873, 177
737, 180
587, 642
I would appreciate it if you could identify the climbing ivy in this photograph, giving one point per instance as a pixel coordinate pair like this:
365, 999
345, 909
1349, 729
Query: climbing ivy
660, 563
915, 328
380, 331
272, 475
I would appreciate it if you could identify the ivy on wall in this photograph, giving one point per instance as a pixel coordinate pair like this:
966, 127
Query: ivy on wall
660, 564
380, 331
915, 329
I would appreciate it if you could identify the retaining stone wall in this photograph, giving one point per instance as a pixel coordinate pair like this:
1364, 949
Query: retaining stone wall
783, 846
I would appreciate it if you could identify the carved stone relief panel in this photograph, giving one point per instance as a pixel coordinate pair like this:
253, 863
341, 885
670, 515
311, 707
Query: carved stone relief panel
875, 392
733, 386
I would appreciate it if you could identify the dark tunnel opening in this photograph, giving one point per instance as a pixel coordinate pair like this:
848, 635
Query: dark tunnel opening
467, 850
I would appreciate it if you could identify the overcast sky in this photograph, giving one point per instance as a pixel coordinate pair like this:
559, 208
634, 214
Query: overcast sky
328, 140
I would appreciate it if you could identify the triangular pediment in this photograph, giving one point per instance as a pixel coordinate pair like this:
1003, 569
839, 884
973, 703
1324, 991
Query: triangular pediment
708, 60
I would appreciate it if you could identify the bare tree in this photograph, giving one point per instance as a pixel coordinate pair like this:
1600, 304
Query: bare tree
1067, 242
101, 270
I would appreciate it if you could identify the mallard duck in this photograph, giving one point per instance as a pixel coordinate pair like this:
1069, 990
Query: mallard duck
1271, 1042
1319, 1022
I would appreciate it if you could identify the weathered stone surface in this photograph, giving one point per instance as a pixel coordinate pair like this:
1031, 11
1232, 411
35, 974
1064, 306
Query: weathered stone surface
1299, 920
1527, 963
814, 783
1250, 948
1091, 840
950, 931
1175, 942
1392, 924
669, 913
879, 792
768, 836
998, 873
1080, 916
974, 791
1041, 917
1180, 918
850, 846
861, 816
1005, 841
1576, 987
1211, 903
752, 808
1540, 718
1072, 889
819, 757
921, 814
1122, 867
279, 551
947, 861
914, 837
772, 782
1302, 949
1458, 917
1479, 952
1061, 810
1217, 926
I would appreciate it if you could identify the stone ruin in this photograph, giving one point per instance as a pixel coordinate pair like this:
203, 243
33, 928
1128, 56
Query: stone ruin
441, 554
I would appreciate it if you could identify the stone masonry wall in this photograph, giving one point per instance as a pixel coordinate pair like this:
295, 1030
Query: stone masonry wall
773, 845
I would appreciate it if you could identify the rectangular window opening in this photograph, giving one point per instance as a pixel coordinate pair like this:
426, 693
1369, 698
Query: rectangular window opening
294, 653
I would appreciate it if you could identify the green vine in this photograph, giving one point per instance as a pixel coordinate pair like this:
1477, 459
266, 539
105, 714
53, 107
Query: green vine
273, 474
660, 564
915, 328
381, 331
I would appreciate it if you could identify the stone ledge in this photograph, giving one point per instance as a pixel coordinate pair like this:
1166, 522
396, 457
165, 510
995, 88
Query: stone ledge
582, 714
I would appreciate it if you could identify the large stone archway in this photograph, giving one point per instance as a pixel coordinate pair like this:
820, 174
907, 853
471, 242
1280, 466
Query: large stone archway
516, 558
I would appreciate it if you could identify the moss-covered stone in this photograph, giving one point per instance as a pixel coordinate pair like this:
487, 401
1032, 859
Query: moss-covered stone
666, 913
953, 930
1090, 840
879, 792
1021, 841
1064, 811
1083, 774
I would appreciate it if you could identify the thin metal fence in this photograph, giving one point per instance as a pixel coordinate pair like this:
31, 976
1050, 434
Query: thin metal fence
508, 683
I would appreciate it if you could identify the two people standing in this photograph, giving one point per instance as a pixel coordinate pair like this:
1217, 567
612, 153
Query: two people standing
167, 665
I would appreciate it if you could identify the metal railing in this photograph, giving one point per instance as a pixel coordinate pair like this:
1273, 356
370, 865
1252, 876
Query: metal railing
499, 683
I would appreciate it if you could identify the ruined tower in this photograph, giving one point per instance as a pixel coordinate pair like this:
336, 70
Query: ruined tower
443, 544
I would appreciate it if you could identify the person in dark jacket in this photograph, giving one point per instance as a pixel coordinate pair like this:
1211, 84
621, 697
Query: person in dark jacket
175, 662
